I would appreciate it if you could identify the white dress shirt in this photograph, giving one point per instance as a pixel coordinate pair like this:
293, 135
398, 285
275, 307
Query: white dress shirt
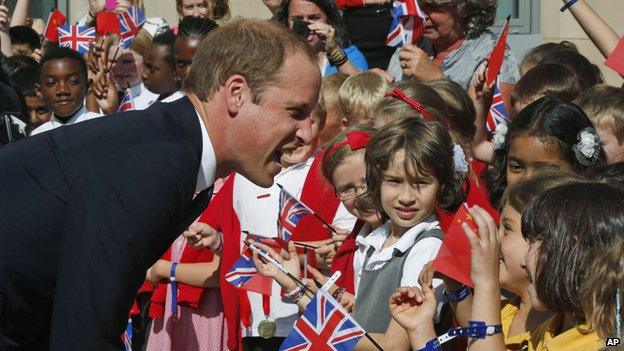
80, 116
208, 166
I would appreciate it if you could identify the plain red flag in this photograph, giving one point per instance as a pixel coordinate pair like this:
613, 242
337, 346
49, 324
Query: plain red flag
615, 61
495, 62
453, 259
107, 22
55, 19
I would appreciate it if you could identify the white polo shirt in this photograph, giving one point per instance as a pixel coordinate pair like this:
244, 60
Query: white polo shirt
80, 116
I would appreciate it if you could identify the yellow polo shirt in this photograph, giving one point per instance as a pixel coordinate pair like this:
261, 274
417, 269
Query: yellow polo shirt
518, 342
543, 338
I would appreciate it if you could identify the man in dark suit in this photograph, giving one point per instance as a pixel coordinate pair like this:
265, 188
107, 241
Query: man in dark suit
86, 209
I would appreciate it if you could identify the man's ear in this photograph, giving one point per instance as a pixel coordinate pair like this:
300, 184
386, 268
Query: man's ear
237, 93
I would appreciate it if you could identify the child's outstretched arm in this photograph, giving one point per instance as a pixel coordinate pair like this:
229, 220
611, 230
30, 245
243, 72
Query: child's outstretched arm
598, 31
482, 148
485, 255
414, 309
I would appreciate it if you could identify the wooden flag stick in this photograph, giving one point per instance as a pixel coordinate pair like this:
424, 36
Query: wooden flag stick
370, 338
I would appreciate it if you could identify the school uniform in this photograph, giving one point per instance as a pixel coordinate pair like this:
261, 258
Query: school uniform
544, 338
384, 270
142, 98
79, 116
241, 205
178, 94
519, 341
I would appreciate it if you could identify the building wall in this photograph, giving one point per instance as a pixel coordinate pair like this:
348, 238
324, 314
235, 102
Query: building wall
166, 9
557, 26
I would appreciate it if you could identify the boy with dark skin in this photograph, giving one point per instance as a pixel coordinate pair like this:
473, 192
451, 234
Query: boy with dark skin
63, 86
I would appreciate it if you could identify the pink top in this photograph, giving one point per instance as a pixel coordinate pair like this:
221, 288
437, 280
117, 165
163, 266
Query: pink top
201, 329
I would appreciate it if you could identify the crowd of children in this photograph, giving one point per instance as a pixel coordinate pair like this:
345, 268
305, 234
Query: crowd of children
389, 164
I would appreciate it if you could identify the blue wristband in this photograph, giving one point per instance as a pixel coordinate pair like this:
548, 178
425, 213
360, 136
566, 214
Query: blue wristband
432, 345
477, 330
457, 296
174, 288
568, 5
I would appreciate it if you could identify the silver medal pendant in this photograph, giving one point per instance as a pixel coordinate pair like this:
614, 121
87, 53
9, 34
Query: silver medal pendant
267, 329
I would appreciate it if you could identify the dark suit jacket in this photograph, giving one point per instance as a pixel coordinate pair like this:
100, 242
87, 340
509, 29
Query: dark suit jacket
84, 211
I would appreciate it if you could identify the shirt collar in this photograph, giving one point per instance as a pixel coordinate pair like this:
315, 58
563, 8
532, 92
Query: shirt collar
208, 166
81, 111
377, 238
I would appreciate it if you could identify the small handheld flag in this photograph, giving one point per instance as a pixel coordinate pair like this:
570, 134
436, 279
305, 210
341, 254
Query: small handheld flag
126, 103
76, 37
130, 21
453, 259
407, 23
55, 19
107, 22
495, 62
498, 113
324, 325
291, 210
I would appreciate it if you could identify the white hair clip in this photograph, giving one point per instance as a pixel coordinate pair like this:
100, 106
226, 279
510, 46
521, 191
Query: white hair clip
500, 133
588, 147
459, 159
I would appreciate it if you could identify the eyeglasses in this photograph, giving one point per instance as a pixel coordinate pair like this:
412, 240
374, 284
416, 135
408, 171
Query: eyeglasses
350, 192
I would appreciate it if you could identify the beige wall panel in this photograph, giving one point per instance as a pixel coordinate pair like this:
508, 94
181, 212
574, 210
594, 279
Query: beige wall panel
556, 26
166, 9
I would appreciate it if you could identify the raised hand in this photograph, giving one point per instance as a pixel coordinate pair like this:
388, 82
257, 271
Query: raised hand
289, 260
326, 34
413, 308
203, 236
484, 246
416, 64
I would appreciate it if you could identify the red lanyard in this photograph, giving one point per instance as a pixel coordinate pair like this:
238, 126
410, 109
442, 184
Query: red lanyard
266, 305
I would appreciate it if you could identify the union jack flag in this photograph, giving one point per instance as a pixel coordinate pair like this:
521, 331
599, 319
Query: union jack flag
407, 23
126, 103
291, 211
76, 37
242, 270
127, 336
130, 21
497, 114
324, 326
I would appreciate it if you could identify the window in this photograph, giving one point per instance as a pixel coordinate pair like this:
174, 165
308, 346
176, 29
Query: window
39, 8
524, 15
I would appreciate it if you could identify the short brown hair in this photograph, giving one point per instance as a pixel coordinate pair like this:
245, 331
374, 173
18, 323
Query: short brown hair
395, 108
536, 55
359, 94
547, 79
604, 105
460, 110
255, 49
428, 150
